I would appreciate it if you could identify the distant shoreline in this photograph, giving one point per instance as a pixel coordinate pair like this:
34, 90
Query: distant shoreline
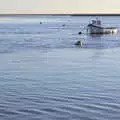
95, 15
59, 15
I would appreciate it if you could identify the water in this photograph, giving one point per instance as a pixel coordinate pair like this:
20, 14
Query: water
44, 76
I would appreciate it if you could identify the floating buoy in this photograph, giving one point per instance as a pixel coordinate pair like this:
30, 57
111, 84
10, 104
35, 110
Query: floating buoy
79, 43
80, 33
63, 25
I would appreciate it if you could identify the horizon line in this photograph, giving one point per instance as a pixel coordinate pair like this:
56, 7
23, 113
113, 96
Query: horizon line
73, 14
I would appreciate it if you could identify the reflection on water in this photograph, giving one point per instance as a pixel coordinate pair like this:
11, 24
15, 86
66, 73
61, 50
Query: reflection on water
44, 76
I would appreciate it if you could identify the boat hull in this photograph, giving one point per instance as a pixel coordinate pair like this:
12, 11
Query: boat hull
101, 30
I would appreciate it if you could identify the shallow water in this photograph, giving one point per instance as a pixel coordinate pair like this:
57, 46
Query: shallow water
44, 76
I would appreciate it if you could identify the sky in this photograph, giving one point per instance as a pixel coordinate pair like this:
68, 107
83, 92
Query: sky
59, 6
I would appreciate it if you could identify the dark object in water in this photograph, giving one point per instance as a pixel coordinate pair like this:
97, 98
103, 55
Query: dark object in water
40, 22
79, 43
80, 33
63, 25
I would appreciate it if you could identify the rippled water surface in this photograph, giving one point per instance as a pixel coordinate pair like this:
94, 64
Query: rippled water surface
44, 76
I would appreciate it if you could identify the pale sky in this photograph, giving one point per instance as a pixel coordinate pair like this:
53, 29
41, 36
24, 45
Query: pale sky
59, 6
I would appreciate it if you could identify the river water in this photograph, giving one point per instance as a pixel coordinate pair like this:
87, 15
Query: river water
44, 76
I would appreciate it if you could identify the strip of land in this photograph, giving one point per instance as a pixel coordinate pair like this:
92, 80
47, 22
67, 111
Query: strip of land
61, 14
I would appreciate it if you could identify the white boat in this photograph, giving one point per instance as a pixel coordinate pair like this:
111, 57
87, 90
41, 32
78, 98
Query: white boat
96, 28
